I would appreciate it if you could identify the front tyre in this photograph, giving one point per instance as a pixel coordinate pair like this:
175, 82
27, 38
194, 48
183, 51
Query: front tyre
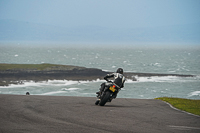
105, 99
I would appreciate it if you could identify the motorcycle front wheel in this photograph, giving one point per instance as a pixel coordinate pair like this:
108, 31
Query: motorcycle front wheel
104, 99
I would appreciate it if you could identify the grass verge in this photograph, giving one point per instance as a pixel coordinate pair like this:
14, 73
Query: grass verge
188, 105
24, 66
36, 67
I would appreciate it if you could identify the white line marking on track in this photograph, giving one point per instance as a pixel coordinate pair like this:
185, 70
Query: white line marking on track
184, 127
180, 110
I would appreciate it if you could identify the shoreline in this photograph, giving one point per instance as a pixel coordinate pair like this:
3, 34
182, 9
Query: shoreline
16, 73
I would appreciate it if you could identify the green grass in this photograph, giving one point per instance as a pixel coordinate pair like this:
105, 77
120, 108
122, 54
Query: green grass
34, 66
24, 66
188, 105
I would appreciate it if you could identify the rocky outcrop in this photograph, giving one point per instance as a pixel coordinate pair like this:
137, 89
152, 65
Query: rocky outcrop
16, 76
62, 72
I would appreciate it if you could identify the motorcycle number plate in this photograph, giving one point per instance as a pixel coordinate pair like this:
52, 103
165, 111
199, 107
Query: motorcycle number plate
112, 89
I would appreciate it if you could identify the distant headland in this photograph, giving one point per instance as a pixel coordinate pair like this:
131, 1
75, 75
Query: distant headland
17, 73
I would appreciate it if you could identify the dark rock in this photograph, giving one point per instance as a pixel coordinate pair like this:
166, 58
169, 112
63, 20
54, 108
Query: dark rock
17, 76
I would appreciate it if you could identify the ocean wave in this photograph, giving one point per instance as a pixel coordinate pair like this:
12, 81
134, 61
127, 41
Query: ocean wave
158, 79
49, 83
70, 89
163, 79
24, 84
52, 93
195, 93
170, 79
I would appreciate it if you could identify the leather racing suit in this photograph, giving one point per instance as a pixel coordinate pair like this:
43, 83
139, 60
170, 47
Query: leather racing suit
119, 80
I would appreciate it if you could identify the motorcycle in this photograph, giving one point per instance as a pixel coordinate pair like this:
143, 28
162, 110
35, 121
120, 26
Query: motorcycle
109, 92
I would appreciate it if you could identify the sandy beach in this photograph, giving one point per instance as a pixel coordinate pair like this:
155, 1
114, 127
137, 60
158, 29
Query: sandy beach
50, 114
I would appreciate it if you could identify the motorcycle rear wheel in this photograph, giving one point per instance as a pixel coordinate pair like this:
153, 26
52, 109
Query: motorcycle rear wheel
104, 99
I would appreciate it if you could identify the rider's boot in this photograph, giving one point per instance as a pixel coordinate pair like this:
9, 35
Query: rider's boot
98, 92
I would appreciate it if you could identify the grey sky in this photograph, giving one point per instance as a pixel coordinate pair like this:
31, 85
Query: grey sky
106, 13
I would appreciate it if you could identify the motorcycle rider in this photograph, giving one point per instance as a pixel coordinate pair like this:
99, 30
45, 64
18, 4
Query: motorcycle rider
119, 80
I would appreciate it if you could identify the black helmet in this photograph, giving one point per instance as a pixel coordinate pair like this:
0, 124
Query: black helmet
120, 70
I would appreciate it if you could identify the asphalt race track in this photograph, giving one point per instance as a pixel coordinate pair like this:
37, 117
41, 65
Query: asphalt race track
63, 114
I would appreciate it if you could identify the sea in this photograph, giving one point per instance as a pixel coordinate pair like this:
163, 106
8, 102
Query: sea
179, 60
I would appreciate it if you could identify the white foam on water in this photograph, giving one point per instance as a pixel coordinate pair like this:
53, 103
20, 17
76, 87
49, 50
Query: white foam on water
171, 71
25, 84
82, 88
157, 79
154, 79
52, 93
63, 90
66, 82
71, 82
114, 66
70, 89
169, 79
49, 82
130, 81
105, 70
195, 93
